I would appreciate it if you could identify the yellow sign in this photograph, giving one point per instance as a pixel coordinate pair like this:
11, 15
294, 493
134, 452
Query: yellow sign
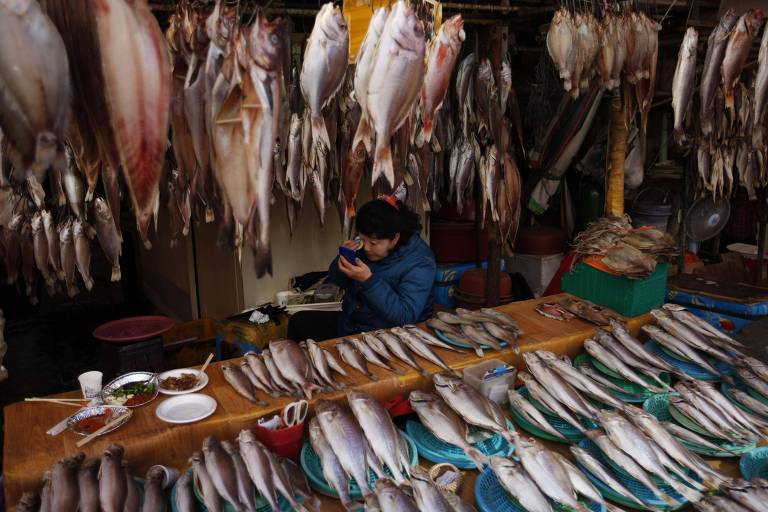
358, 14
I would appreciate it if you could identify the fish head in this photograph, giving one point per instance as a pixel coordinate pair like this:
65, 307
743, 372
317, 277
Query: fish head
197, 458
384, 485
331, 22
445, 380
102, 209
452, 32
406, 28
422, 397
525, 377
547, 356
210, 443
156, 474
325, 407
114, 452
418, 472
73, 461
247, 437
753, 19
265, 42
727, 21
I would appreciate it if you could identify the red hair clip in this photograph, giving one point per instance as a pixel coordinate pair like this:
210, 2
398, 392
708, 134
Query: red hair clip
391, 200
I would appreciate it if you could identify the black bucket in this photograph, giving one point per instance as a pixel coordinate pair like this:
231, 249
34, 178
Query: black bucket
652, 210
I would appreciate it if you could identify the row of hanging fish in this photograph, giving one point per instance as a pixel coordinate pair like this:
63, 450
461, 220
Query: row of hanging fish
624, 250
621, 49
83, 121
245, 475
726, 120
36, 248
618, 45
104, 483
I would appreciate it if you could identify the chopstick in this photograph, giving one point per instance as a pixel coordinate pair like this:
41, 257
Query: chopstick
207, 362
107, 425
54, 401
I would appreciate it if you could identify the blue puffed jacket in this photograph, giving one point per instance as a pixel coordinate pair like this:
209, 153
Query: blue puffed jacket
399, 292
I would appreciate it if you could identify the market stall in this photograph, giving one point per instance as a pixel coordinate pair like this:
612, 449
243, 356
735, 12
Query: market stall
152, 441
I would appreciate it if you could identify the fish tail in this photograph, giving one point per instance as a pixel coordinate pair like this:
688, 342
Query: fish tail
728, 96
320, 132
479, 351
382, 165
364, 134
426, 131
209, 217
372, 376
478, 457
88, 283
115, 273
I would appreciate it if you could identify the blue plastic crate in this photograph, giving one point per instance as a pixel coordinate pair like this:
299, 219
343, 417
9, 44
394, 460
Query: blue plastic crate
729, 317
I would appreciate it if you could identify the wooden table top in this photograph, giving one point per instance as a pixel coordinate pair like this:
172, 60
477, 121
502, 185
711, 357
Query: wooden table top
29, 451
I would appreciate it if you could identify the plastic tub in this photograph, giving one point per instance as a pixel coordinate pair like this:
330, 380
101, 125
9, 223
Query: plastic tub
285, 442
494, 388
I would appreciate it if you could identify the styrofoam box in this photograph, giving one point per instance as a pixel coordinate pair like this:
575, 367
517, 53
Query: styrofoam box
538, 270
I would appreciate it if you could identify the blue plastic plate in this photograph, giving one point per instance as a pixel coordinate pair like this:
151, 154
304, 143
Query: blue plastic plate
726, 388
490, 496
310, 464
694, 370
659, 406
448, 340
754, 464
634, 486
435, 450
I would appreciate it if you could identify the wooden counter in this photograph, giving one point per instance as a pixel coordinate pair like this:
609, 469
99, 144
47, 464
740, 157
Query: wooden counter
29, 451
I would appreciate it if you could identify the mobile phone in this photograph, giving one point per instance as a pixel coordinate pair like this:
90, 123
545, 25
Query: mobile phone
349, 254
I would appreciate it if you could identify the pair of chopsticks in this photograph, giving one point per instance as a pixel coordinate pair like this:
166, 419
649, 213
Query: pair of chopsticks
107, 425
75, 402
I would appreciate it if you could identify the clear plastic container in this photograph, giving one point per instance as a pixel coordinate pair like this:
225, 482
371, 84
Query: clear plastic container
495, 387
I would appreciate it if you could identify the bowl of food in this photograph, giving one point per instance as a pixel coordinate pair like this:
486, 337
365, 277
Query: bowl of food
131, 390
182, 381
91, 419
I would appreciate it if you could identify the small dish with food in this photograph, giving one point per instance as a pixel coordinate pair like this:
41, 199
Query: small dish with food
91, 419
182, 381
131, 390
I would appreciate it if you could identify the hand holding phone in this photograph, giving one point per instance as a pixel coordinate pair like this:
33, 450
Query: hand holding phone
349, 254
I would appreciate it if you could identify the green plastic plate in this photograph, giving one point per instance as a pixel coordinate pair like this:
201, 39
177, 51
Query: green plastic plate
658, 405
310, 464
631, 388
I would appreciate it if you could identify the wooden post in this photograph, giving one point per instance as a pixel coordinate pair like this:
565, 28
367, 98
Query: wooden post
761, 221
683, 218
614, 197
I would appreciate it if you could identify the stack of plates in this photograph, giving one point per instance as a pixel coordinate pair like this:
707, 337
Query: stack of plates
631, 484
491, 496
754, 464
565, 428
310, 463
634, 393
435, 450
658, 405
685, 365
726, 388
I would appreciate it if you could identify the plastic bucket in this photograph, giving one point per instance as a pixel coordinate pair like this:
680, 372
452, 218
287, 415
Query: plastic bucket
653, 211
285, 442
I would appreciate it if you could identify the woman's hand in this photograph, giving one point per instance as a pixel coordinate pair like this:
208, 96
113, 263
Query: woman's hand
357, 272
352, 244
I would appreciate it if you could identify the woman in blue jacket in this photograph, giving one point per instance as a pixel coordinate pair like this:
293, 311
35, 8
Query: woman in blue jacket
389, 283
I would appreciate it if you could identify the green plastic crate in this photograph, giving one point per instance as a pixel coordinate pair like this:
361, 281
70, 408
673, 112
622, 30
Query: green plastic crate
629, 297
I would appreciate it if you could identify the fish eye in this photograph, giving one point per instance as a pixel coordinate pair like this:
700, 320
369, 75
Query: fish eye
273, 38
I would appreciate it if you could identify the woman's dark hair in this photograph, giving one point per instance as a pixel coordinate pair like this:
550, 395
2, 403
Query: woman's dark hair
381, 220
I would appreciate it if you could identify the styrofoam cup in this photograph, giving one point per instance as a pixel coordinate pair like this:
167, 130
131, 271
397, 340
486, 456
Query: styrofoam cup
90, 383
